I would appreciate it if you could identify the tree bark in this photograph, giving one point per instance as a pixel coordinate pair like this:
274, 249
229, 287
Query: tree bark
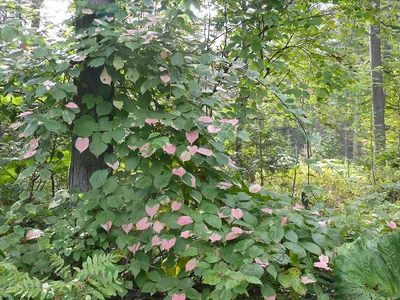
378, 95
84, 164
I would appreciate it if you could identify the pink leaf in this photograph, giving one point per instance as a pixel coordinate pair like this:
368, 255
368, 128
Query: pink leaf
366, 221
237, 230
175, 206
191, 265
155, 241
33, 234
179, 171
185, 156
185, 234
192, 180
283, 222
30, 153
215, 237
151, 121
143, 224
205, 119
225, 95
71, 105
184, 220
77, 58
391, 224
316, 213
237, 213
87, 11
323, 223
107, 226
206, 152
24, 114
113, 166
133, 148
178, 297
261, 263
192, 149
163, 54
127, 227
323, 258
306, 280
16, 125
322, 265
298, 207
221, 215
255, 188
169, 148
230, 163
231, 236
82, 144
104, 77
33, 144
168, 244
144, 147
165, 78
224, 185
213, 129
191, 136
323, 262
233, 122
152, 211
134, 248
267, 210
158, 226
269, 297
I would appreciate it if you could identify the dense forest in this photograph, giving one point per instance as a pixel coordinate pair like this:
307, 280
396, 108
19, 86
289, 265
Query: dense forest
188, 149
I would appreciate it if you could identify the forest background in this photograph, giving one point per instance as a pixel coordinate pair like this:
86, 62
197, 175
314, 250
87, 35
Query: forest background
200, 149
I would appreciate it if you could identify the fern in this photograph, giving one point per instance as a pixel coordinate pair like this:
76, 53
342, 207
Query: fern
369, 269
98, 278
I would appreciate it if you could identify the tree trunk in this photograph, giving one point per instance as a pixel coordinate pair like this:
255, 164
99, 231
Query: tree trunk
378, 96
83, 165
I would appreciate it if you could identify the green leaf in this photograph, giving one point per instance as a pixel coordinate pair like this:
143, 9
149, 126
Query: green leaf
132, 162
243, 245
133, 74
167, 284
256, 44
254, 270
9, 33
110, 185
115, 201
213, 220
162, 181
155, 276
311, 247
144, 183
267, 290
118, 63
253, 280
177, 59
291, 236
52, 125
296, 249
104, 108
276, 233
209, 191
97, 146
58, 93
98, 178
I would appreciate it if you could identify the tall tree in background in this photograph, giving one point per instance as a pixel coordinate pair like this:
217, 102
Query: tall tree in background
84, 164
378, 95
